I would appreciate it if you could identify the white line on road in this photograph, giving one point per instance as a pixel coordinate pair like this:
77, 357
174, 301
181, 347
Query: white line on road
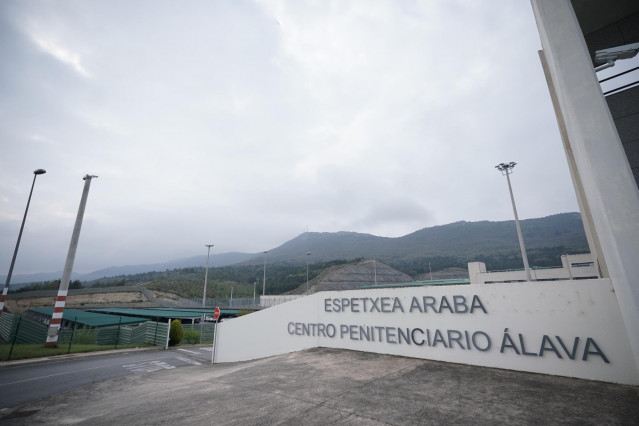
53, 375
189, 361
186, 350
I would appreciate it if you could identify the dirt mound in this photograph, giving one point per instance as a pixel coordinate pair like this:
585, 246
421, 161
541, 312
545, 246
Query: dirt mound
354, 276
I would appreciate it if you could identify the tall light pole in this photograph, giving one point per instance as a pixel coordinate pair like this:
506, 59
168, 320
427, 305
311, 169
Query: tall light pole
375, 268
506, 169
61, 299
206, 273
15, 252
264, 282
307, 255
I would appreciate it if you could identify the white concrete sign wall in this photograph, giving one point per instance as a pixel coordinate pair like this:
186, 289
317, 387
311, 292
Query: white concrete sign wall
567, 328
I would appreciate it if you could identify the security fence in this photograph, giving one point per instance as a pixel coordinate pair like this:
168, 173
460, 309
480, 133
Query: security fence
236, 303
18, 330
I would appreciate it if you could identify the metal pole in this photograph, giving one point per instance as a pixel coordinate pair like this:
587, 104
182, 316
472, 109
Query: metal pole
375, 267
264, 282
307, 255
56, 318
214, 342
201, 330
75, 322
521, 238
507, 169
206, 274
155, 338
15, 337
15, 252
117, 336
168, 333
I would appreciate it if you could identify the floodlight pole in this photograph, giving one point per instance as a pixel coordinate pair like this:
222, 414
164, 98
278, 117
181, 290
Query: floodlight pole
507, 169
206, 273
307, 255
15, 252
264, 282
61, 299
375, 269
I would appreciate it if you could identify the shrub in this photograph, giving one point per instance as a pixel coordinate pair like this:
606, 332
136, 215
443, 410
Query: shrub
176, 333
84, 336
191, 336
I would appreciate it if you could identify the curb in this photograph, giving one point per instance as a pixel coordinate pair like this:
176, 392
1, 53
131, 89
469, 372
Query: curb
64, 357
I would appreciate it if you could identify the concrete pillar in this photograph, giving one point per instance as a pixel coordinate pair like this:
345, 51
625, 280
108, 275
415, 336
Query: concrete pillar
61, 299
608, 185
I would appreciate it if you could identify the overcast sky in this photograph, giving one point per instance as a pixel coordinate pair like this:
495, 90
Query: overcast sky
244, 123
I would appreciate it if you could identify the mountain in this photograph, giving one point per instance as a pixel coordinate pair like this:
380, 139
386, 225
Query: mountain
217, 260
445, 246
434, 248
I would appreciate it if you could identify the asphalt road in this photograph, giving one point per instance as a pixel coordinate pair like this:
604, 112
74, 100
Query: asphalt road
31, 382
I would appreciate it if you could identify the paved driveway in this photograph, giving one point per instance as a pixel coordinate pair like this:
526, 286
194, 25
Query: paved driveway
328, 386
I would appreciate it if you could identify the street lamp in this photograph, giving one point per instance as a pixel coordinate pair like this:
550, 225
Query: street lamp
264, 282
15, 253
206, 273
506, 169
307, 255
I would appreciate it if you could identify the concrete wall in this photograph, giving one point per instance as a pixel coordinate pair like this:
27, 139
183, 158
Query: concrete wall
574, 266
511, 326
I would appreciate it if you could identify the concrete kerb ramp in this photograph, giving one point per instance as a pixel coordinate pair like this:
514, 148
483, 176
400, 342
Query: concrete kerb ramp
565, 328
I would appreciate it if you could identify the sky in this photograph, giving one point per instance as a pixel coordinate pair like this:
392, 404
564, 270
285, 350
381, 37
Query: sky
245, 123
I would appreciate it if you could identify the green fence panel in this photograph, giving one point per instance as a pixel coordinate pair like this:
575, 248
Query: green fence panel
6, 324
156, 333
125, 336
31, 332
206, 329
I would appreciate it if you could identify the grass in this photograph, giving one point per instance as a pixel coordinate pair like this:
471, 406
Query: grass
38, 350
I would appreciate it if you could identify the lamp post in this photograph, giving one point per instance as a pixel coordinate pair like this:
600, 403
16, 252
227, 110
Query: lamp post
307, 255
61, 299
506, 169
264, 282
375, 268
15, 252
206, 273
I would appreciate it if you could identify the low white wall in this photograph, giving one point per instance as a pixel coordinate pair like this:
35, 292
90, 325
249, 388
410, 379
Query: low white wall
268, 301
568, 328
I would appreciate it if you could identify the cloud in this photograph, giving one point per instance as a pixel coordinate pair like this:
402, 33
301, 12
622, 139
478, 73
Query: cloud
61, 54
244, 123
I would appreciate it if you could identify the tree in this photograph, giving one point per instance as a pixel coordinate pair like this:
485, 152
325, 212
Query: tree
176, 333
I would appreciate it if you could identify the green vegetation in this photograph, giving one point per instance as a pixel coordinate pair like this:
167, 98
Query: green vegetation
436, 248
45, 285
188, 282
191, 337
176, 333
85, 336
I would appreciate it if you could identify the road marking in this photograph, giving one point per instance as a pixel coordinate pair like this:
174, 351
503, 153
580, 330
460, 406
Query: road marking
207, 349
148, 366
188, 361
56, 374
186, 350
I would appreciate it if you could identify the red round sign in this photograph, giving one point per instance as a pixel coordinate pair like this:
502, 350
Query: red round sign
216, 313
